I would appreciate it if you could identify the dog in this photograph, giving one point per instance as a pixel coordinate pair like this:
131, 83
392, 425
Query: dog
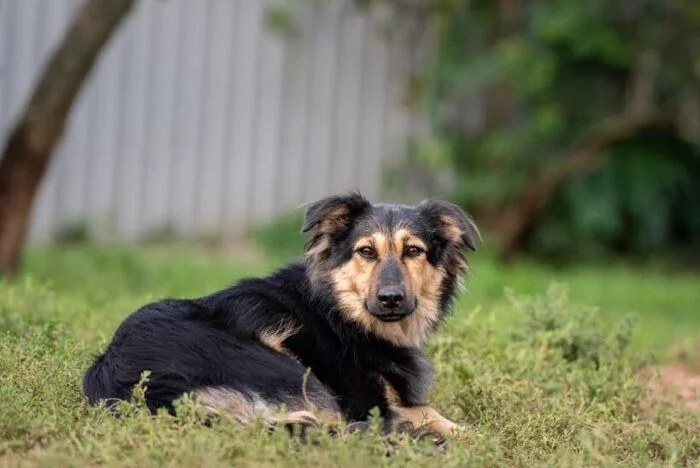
326, 339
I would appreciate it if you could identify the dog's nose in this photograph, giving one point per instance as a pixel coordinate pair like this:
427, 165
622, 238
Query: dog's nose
390, 297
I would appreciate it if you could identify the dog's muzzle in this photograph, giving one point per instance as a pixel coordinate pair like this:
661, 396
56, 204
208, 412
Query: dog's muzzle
391, 304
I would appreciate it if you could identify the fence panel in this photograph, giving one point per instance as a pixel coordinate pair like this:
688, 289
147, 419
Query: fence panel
200, 119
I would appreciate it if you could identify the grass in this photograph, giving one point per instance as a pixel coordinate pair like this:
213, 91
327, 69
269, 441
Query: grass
540, 364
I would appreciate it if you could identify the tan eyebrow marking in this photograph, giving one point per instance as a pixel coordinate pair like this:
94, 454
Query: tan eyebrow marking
377, 240
403, 237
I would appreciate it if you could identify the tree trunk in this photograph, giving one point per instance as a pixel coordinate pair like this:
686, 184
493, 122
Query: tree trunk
30, 145
516, 221
640, 111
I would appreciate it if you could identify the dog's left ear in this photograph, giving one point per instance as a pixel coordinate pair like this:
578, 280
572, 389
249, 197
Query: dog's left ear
334, 213
451, 222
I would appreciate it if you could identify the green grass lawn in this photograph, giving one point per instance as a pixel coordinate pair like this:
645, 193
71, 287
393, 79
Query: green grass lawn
538, 363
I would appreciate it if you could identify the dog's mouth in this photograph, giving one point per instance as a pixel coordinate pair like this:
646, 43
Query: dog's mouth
388, 315
391, 317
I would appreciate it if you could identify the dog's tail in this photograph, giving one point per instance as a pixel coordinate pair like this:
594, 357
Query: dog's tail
97, 385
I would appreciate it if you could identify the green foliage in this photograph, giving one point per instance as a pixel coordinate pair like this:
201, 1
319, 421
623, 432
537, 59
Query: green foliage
639, 204
540, 76
537, 379
77, 231
281, 237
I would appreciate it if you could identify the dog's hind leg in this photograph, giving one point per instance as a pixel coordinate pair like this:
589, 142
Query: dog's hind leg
296, 417
235, 375
263, 382
245, 407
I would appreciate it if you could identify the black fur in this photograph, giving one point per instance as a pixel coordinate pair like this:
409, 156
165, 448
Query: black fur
212, 341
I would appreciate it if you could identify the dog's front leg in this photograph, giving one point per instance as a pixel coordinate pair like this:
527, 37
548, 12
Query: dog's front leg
425, 416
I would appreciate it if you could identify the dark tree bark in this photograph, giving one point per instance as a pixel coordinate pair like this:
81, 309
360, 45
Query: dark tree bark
30, 145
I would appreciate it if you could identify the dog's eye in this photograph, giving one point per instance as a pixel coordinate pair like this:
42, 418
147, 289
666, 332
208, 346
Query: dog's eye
412, 251
367, 252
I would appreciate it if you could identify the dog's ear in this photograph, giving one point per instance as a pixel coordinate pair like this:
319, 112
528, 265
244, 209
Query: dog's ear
451, 223
334, 213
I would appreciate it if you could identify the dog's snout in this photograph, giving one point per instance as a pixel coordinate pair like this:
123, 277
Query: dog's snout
391, 297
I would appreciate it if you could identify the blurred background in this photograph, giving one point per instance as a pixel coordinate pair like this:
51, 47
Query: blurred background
570, 130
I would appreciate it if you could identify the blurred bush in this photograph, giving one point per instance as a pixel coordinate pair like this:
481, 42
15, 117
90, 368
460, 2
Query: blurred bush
644, 202
281, 237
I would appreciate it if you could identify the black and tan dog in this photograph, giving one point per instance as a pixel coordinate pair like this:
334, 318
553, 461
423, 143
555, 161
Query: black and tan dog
377, 281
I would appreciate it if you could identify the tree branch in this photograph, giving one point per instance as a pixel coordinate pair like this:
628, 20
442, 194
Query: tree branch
583, 158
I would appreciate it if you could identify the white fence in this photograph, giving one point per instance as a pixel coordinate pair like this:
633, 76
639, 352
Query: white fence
201, 119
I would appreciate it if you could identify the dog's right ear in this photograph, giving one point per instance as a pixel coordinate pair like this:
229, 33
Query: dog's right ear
334, 213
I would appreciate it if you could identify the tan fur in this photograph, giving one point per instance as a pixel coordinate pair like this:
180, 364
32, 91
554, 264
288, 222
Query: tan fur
351, 283
420, 416
454, 232
356, 281
299, 417
273, 338
235, 404
333, 220
403, 237
451, 229
381, 242
316, 255
319, 248
390, 393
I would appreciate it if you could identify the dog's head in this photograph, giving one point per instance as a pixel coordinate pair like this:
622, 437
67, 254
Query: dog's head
393, 269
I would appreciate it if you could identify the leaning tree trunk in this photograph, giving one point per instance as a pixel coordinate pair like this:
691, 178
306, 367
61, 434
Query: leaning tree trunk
640, 111
29, 147
585, 158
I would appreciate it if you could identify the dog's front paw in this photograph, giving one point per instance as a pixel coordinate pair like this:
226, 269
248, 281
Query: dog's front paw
427, 433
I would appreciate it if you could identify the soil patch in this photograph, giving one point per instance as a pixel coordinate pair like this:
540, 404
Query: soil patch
676, 383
